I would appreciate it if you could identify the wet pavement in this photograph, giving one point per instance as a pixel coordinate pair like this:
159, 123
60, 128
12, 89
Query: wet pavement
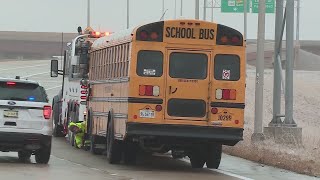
73, 164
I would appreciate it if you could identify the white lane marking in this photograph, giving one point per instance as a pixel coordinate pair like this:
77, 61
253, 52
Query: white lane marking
53, 87
224, 172
23, 67
35, 74
231, 174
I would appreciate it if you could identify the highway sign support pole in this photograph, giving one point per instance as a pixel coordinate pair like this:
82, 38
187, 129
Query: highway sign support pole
128, 16
289, 64
245, 10
212, 5
181, 8
258, 121
276, 120
204, 10
297, 49
197, 9
88, 14
175, 9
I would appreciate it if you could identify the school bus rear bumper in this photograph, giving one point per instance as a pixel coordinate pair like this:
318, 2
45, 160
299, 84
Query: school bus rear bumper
186, 133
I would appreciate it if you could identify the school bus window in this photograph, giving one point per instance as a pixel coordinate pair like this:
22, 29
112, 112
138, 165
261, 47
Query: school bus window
121, 61
100, 64
126, 61
227, 67
150, 63
114, 71
104, 65
188, 65
116, 62
109, 64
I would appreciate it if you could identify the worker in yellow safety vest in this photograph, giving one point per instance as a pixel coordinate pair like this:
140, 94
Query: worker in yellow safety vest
79, 130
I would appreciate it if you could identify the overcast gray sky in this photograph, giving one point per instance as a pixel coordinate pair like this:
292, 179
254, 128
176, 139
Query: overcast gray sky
110, 15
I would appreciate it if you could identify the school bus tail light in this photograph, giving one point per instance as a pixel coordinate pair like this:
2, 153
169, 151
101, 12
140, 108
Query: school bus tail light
148, 90
226, 94
154, 36
228, 36
151, 32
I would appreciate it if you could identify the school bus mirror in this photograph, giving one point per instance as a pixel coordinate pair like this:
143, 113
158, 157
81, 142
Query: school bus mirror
54, 68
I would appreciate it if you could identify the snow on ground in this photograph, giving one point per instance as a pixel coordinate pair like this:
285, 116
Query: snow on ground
305, 159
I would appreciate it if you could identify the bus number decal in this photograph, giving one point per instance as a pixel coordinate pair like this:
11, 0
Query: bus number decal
189, 33
225, 118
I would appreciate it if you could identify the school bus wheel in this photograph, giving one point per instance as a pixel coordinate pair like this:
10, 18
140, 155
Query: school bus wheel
197, 157
214, 156
114, 150
130, 152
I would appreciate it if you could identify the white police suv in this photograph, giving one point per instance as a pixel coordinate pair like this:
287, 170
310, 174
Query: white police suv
25, 119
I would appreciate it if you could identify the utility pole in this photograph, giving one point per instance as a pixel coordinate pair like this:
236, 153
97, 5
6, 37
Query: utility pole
258, 121
297, 33
175, 9
245, 10
204, 9
276, 120
197, 9
289, 65
88, 14
212, 6
128, 16
181, 8
298, 22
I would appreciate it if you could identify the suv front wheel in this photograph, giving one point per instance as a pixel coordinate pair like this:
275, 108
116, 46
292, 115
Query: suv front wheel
42, 156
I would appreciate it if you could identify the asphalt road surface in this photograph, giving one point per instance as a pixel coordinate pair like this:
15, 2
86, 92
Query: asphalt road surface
73, 164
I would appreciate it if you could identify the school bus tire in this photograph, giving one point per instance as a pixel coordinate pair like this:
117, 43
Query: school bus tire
197, 157
214, 156
114, 149
130, 153
93, 138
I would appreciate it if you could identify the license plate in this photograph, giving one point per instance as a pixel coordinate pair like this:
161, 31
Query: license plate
11, 114
147, 114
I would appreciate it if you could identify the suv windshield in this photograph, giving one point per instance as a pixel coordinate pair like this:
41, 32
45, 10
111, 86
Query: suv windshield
22, 92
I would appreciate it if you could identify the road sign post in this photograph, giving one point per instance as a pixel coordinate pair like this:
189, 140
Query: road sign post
270, 6
233, 6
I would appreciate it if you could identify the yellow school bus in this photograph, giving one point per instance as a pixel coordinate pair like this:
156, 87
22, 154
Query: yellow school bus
176, 85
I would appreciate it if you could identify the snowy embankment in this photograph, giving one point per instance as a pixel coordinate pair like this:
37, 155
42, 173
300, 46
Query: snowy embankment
305, 159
